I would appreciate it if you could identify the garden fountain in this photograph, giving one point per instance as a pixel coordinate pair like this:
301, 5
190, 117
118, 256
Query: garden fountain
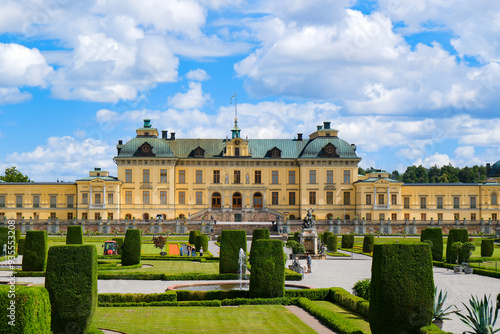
242, 261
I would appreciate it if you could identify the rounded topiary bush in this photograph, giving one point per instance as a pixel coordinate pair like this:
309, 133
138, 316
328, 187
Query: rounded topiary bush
192, 236
201, 241
348, 241
296, 236
332, 243
74, 236
435, 235
268, 270
71, 281
230, 244
456, 256
487, 247
460, 235
18, 235
401, 288
368, 242
324, 237
30, 313
35, 251
131, 251
119, 244
20, 246
258, 234
4, 232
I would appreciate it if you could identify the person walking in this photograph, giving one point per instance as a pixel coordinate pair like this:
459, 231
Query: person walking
201, 251
309, 262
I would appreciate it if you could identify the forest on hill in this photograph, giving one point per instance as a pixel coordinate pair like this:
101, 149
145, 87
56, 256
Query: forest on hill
444, 174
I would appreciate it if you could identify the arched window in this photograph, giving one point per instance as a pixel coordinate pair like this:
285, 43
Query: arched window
292, 217
216, 200
494, 199
329, 216
146, 216
236, 200
128, 216
182, 216
257, 200
347, 217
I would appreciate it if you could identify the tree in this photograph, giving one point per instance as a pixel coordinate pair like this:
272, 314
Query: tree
160, 242
13, 175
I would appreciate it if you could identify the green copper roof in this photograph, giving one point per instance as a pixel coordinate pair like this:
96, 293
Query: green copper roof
494, 170
159, 146
182, 148
314, 147
375, 179
104, 178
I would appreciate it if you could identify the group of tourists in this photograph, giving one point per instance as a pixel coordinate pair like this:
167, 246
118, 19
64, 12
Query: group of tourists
191, 251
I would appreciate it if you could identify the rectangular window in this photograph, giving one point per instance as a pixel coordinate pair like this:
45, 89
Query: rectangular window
312, 176
145, 175
394, 216
2, 201
36, 201
97, 198
381, 199
199, 198
216, 176
163, 176
394, 199
85, 198
236, 151
456, 202
407, 216
473, 202
440, 216
329, 176
472, 216
52, 215
368, 199
274, 177
84, 216
347, 198
110, 198
53, 201
128, 197
258, 177
274, 198
97, 216
423, 216
423, 203
110, 215
381, 216
70, 200
36, 216
163, 197
329, 197
182, 197
439, 202
70, 215
347, 177
291, 198
312, 198
199, 176
456, 216
406, 202
19, 201
494, 216
291, 177
368, 216
145, 197
182, 176
128, 175
237, 176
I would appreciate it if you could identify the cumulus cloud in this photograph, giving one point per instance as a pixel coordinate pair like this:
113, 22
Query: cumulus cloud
194, 98
197, 75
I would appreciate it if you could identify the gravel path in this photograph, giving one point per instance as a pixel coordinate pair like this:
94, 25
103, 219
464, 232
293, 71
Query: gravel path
310, 320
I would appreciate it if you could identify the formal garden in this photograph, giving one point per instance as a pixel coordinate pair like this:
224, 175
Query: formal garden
400, 296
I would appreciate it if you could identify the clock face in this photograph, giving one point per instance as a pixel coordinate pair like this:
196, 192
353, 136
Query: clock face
146, 148
236, 141
330, 149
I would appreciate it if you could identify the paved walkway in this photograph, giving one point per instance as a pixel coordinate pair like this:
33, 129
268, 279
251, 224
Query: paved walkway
310, 320
332, 272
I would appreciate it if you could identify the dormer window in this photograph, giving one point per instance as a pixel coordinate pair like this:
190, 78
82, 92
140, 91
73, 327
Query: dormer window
275, 153
198, 152
329, 151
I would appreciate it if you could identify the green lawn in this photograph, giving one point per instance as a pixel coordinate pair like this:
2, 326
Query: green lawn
356, 320
242, 319
171, 267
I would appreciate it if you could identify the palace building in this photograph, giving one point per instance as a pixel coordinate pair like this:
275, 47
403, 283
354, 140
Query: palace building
237, 179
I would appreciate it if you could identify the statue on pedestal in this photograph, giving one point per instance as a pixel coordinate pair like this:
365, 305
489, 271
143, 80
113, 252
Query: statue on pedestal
308, 219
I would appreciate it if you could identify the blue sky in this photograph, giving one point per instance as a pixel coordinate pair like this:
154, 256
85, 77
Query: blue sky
408, 83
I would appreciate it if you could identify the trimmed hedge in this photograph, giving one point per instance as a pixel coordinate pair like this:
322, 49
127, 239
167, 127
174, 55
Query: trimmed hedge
4, 232
35, 251
349, 301
487, 247
268, 270
74, 235
201, 241
434, 234
71, 280
258, 234
402, 288
168, 277
29, 314
18, 235
332, 243
231, 242
260, 301
192, 236
348, 241
455, 235
324, 237
20, 246
205, 303
131, 252
368, 242
477, 271
311, 294
432, 329
119, 244
169, 296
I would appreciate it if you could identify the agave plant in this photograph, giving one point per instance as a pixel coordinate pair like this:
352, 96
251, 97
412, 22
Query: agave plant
482, 316
441, 313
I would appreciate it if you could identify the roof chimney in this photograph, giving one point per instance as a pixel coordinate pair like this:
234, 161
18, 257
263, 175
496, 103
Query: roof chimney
172, 135
164, 134
488, 168
353, 147
120, 142
326, 125
319, 127
299, 136
147, 123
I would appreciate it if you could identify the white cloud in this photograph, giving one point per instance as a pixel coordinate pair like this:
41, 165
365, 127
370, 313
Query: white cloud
64, 158
194, 98
13, 95
197, 75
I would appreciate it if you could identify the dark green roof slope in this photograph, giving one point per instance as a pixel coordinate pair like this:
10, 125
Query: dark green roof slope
183, 148
314, 147
159, 146
290, 149
494, 170
375, 179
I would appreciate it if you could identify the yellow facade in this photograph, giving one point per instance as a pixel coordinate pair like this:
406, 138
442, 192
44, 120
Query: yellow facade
248, 179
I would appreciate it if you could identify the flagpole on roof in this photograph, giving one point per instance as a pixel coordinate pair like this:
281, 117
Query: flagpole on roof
235, 97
